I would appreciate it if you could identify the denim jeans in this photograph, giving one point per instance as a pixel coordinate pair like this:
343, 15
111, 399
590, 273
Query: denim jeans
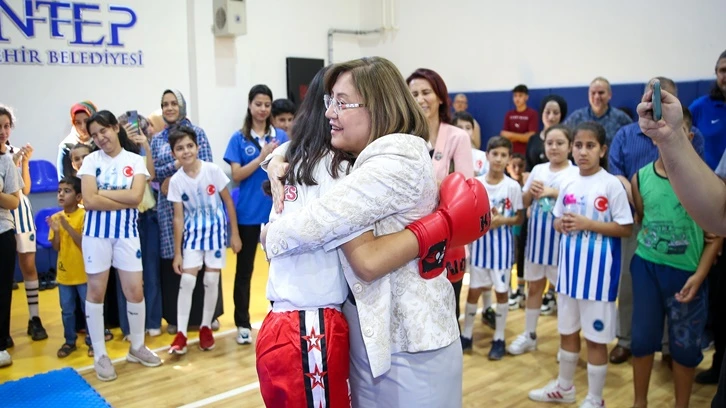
150, 258
67, 295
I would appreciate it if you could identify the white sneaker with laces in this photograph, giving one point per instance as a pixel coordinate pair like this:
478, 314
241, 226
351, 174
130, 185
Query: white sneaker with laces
522, 344
591, 402
5, 358
143, 356
104, 369
244, 335
552, 392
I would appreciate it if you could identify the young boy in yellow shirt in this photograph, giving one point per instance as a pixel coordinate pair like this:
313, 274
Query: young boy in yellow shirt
65, 234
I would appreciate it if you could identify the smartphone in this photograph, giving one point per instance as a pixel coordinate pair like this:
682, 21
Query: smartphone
134, 119
657, 108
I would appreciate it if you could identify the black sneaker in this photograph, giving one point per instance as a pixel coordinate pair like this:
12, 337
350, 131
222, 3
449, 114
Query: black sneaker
549, 304
489, 317
709, 376
10, 343
466, 345
51, 283
36, 330
15, 286
498, 350
42, 282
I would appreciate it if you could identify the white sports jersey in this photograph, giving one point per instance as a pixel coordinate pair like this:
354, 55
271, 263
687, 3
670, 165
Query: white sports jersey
311, 279
112, 173
590, 262
495, 250
205, 228
481, 164
23, 215
543, 242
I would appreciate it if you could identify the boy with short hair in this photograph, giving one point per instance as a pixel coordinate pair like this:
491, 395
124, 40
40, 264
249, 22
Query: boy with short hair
66, 229
465, 121
283, 113
492, 254
521, 122
669, 268
200, 194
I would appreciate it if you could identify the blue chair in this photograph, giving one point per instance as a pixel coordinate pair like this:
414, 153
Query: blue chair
43, 177
41, 227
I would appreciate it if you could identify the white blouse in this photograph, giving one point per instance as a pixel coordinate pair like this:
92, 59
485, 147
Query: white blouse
391, 185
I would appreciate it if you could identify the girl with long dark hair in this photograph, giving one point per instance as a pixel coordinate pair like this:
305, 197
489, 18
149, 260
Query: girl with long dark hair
245, 151
113, 182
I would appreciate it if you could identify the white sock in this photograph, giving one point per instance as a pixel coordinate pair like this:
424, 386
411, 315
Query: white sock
596, 375
31, 292
184, 301
94, 321
530, 320
501, 319
211, 293
137, 319
568, 364
486, 297
469, 315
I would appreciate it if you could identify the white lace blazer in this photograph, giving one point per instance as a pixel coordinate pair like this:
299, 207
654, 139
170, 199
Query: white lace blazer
391, 185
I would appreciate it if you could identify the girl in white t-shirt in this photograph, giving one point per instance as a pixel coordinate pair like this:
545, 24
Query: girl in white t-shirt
592, 213
543, 242
113, 181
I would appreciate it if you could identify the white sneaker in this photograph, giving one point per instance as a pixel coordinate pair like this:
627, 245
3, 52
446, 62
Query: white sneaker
522, 344
215, 325
244, 335
552, 392
153, 332
591, 402
516, 300
5, 359
104, 369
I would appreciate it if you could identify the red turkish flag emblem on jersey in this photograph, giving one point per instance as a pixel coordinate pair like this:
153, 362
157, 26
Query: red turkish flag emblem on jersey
601, 203
128, 171
211, 190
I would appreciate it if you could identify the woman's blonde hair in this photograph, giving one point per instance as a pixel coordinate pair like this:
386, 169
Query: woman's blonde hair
385, 95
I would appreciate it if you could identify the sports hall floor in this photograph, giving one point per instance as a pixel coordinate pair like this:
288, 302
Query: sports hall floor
226, 376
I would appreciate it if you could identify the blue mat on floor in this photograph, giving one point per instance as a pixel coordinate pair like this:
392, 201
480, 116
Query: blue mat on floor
59, 388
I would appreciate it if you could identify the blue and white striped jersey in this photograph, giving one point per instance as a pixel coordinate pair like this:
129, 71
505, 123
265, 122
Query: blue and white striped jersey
543, 242
495, 250
205, 228
112, 173
23, 215
590, 262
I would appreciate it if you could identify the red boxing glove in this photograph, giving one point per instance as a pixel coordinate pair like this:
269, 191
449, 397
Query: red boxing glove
455, 261
463, 216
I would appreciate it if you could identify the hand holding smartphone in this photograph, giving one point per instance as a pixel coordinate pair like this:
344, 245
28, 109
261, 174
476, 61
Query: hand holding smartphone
657, 107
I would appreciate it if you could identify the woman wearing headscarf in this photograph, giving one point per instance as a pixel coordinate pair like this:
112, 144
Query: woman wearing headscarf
80, 112
174, 113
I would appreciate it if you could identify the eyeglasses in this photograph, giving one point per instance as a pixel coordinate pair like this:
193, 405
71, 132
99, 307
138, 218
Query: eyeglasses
338, 106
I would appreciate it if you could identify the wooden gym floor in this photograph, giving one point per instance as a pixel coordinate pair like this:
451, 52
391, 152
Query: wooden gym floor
226, 376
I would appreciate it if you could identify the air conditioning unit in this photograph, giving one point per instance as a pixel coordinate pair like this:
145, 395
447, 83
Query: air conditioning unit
230, 18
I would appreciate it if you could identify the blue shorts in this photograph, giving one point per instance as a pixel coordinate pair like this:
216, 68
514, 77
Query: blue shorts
654, 289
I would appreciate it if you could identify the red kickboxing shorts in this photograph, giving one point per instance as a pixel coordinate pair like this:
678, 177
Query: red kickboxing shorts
302, 359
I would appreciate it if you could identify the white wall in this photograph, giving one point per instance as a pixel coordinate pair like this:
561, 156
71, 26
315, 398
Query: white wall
214, 74
474, 44
494, 45
276, 29
42, 95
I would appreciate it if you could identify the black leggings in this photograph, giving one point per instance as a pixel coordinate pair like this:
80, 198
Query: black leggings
7, 270
250, 237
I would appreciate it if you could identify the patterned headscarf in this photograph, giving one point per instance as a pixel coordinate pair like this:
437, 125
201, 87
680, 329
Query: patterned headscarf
180, 101
86, 107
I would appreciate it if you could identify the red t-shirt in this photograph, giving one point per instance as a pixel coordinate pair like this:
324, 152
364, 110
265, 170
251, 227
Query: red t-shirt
521, 122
